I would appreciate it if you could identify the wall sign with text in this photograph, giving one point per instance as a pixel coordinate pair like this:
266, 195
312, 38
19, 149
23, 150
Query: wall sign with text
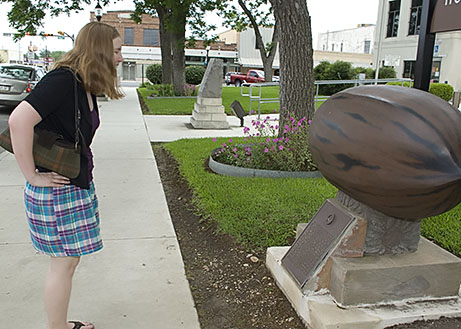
446, 16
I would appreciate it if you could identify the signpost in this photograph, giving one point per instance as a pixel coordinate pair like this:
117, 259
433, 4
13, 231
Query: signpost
437, 16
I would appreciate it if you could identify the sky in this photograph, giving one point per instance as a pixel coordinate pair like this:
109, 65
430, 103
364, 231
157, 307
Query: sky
326, 15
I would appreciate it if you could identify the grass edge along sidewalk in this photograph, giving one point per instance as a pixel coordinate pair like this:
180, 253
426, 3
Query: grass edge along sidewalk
264, 212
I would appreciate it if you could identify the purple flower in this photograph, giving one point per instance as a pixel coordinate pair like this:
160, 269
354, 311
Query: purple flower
287, 140
214, 139
234, 149
224, 145
309, 122
268, 139
275, 110
236, 155
266, 150
281, 147
230, 140
276, 127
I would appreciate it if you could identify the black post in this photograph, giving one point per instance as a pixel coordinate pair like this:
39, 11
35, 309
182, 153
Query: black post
425, 47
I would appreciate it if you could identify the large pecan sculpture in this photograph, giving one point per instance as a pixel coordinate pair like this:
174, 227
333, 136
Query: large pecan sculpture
395, 149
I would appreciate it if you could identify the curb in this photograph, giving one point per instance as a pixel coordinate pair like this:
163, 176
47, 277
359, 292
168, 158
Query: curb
228, 170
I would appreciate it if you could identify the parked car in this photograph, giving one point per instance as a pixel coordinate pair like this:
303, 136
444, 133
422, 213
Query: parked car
227, 77
17, 81
252, 76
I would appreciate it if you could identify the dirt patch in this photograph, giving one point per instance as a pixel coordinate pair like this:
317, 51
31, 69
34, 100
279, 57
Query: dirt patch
231, 286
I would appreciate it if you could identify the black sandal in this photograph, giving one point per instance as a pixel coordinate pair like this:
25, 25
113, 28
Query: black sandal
78, 324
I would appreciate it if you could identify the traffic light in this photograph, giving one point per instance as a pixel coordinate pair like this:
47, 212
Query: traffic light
31, 33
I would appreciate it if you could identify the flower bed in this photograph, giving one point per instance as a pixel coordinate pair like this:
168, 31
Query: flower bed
266, 151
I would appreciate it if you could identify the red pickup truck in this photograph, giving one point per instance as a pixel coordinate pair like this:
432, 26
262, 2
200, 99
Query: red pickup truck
252, 76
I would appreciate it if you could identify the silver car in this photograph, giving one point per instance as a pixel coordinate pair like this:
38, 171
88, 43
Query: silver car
17, 81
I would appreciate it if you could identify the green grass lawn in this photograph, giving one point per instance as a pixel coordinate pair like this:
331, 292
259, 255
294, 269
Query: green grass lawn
264, 212
184, 106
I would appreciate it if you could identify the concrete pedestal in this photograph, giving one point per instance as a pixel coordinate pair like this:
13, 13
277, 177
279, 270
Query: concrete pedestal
209, 113
319, 310
430, 272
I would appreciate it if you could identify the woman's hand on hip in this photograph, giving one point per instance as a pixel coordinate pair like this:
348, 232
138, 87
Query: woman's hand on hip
48, 179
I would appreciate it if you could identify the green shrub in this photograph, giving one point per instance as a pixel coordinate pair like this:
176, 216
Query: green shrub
369, 72
396, 83
162, 90
339, 70
194, 74
443, 90
387, 73
154, 73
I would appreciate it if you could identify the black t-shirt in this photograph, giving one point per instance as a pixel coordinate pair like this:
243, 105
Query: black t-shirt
53, 98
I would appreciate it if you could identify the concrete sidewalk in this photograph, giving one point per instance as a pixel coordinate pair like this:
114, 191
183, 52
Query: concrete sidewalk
138, 279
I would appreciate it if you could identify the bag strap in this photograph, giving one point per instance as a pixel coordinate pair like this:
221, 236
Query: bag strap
78, 117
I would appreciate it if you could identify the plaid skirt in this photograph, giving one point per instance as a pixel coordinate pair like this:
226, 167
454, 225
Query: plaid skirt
63, 221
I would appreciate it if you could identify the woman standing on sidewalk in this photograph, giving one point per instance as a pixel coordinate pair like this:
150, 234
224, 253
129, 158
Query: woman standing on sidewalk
63, 213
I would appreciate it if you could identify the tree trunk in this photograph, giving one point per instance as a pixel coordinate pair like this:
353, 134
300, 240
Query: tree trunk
296, 59
165, 46
266, 57
179, 63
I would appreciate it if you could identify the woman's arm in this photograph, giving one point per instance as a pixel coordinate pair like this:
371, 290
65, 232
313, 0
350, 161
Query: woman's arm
22, 122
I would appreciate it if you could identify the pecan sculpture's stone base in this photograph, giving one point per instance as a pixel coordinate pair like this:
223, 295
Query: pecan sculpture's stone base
378, 273
385, 234
320, 310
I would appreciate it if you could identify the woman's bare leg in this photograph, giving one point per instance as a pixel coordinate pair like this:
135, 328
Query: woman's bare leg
58, 287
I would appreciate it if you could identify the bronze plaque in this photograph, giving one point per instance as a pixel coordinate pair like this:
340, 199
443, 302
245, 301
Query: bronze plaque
446, 16
316, 240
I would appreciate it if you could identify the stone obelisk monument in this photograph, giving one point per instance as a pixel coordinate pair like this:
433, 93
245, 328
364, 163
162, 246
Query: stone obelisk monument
208, 111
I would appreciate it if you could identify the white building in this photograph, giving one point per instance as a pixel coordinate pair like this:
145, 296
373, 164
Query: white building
250, 58
357, 40
396, 42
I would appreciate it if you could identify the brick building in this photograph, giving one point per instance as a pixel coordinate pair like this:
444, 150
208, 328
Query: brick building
141, 45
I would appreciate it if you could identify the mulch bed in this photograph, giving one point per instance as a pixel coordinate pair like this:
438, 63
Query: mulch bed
230, 284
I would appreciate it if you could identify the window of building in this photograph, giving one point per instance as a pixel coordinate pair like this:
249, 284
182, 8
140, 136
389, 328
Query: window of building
393, 19
366, 48
415, 17
409, 69
333, 47
342, 47
129, 36
150, 37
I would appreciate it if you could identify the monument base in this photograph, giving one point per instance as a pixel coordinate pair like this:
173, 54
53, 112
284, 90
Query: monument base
319, 310
388, 278
209, 113
204, 124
